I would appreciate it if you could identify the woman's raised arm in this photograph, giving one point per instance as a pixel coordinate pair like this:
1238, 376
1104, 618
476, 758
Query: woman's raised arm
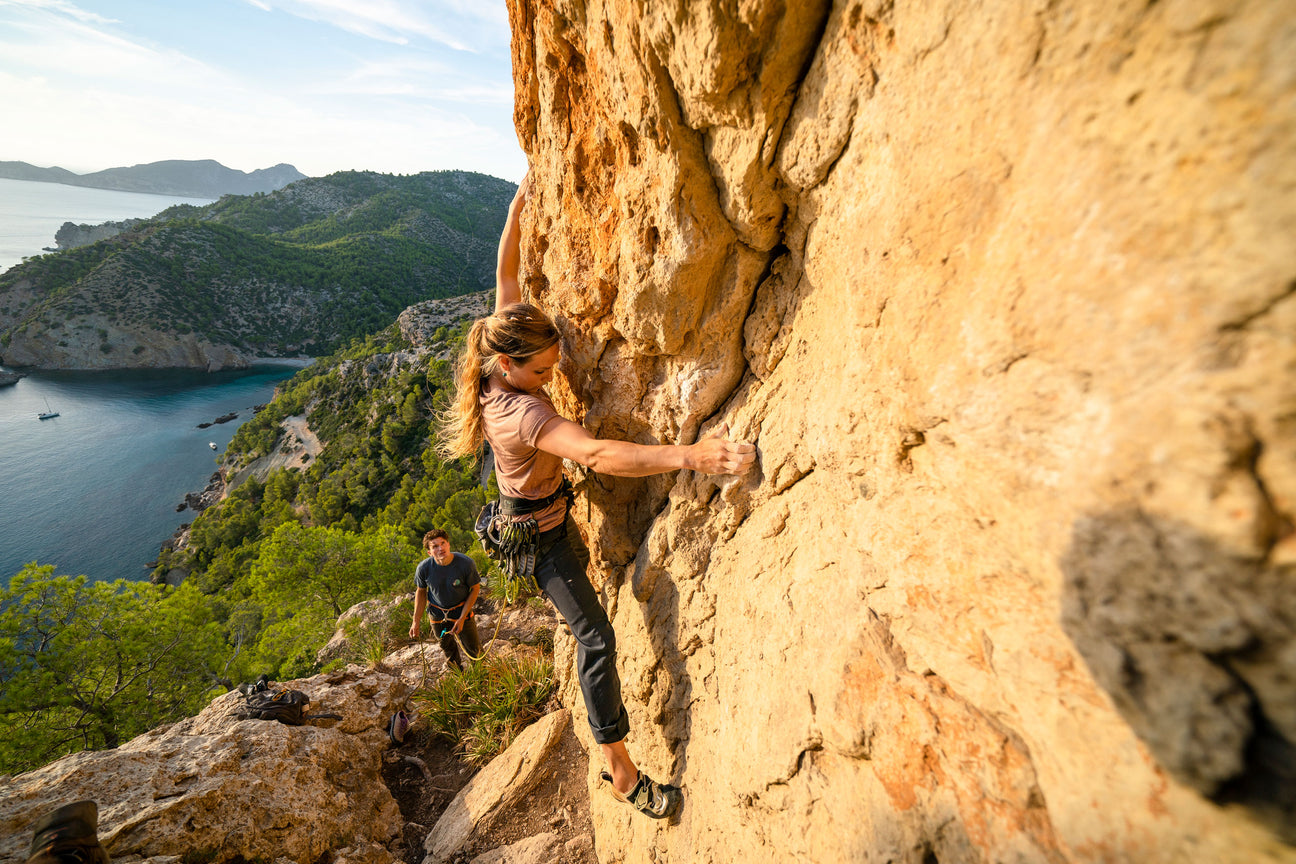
507, 288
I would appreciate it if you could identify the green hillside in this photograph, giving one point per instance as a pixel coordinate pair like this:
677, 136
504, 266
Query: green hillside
299, 270
84, 666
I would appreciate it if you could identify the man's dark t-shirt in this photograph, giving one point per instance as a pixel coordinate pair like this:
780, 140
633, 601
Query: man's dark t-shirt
447, 586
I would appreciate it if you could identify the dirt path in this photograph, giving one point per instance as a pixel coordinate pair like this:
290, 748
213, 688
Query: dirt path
296, 426
559, 803
296, 447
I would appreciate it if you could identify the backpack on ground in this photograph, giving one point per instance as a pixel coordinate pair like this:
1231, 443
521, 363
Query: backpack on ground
262, 702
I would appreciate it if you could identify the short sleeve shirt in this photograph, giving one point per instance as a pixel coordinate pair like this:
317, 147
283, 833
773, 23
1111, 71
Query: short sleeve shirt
449, 585
512, 420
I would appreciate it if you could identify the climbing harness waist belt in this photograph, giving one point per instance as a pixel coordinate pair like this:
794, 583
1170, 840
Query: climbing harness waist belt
510, 506
448, 614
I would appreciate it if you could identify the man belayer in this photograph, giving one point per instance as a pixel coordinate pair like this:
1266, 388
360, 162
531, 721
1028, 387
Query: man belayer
447, 585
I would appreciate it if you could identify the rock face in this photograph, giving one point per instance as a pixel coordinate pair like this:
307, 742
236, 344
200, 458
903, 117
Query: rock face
1004, 296
224, 787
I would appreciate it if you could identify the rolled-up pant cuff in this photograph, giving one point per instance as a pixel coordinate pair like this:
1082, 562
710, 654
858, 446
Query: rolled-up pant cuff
614, 733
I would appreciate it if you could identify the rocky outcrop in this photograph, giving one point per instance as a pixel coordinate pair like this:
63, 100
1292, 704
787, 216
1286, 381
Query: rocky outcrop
7, 377
70, 235
221, 787
211, 493
1004, 296
99, 342
419, 323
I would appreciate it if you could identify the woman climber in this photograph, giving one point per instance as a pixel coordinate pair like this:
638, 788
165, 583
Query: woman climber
510, 356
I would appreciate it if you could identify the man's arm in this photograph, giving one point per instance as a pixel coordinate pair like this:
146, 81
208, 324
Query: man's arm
507, 288
420, 603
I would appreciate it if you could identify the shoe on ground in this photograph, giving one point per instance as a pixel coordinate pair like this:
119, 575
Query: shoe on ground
654, 800
68, 834
397, 726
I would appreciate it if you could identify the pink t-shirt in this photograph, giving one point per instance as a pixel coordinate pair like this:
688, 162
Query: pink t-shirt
512, 420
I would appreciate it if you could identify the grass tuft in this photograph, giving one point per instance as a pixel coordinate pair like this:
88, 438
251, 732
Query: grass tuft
483, 708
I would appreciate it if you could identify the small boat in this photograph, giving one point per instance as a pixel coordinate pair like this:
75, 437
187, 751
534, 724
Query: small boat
212, 444
48, 413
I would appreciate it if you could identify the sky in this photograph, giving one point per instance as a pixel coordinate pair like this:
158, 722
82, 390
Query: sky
397, 86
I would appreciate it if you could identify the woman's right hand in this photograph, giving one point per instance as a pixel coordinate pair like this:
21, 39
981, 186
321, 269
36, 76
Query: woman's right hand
718, 455
523, 189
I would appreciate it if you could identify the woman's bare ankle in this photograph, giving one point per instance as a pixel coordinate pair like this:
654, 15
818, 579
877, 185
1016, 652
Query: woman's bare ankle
621, 767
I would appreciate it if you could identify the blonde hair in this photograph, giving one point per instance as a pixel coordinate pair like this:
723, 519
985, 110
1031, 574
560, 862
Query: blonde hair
519, 331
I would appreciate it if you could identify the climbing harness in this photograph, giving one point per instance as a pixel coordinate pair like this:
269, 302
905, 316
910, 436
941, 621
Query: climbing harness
514, 544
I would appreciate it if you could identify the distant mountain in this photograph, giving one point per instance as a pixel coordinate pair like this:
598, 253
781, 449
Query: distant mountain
201, 178
298, 271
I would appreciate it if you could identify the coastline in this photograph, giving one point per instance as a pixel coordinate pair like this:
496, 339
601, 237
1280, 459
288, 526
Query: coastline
295, 447
126, 440
11, 372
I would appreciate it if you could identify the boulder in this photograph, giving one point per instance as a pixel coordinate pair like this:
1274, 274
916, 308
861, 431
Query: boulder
540, 849
367, 613
213, 784
364, 853
492, 790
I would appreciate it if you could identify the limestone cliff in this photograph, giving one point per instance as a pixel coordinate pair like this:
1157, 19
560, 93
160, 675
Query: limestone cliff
1003, 294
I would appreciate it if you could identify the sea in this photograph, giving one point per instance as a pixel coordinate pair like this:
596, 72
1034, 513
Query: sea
31, 213
94, 491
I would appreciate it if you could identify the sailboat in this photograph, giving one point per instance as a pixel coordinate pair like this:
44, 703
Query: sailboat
48, 414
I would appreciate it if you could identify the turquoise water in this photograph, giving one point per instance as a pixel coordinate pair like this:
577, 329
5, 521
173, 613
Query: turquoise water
95, 489
31, 213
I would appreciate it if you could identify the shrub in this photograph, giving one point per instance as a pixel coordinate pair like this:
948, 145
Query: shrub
483, 708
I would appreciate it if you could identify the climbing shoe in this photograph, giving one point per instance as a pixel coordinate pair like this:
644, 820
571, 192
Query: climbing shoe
654, 800
397, 726
67, 835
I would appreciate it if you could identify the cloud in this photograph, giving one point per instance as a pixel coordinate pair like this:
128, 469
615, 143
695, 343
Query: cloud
419, 78
93, 95
70, 10
58, 39
459, 25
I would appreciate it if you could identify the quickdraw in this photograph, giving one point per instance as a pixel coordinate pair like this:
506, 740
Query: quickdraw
514, 547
